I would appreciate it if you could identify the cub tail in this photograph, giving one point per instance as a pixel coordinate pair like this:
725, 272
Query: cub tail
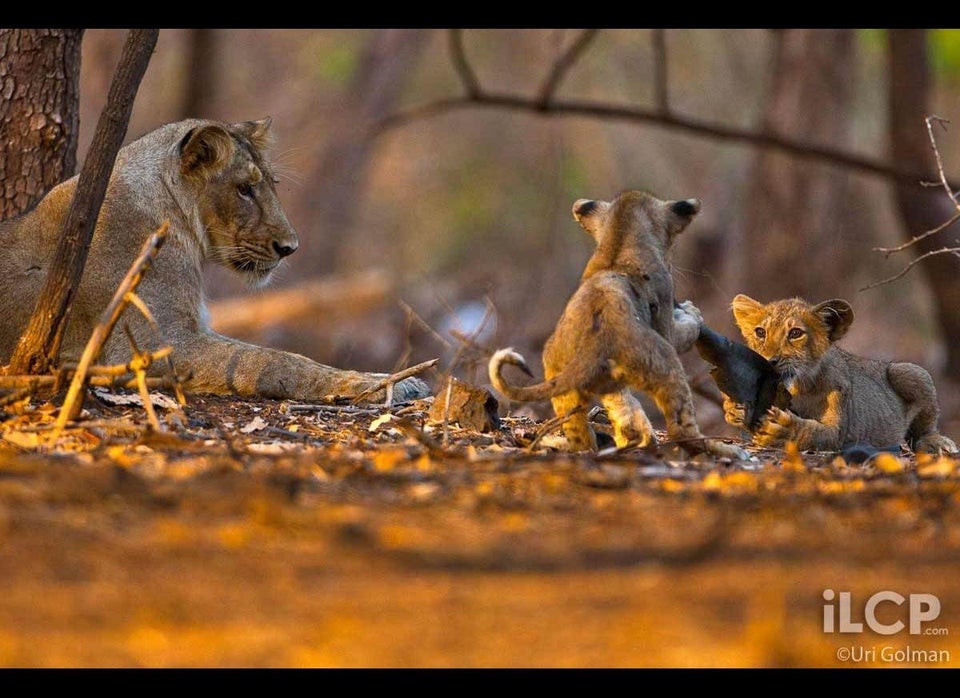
559, 384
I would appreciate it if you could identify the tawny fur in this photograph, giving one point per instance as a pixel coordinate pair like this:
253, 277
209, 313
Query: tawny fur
213, 181
621, 330
836, 398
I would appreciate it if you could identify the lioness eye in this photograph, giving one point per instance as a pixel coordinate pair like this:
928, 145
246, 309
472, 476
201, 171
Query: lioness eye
761, 333
795, 333
245, 190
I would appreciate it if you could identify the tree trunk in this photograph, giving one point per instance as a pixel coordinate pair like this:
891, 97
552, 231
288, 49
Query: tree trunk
39, 345
922, 208
201, 71
39, 113
792, 206
341, 173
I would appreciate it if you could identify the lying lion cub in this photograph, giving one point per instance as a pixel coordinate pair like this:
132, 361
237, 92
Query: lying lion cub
621, 330
836, 398
215, 184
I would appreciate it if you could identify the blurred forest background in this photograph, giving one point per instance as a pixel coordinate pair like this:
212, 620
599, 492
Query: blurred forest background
463, 213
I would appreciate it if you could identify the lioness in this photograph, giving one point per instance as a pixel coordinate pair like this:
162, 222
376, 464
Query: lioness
621, 330
837, 399
214, 183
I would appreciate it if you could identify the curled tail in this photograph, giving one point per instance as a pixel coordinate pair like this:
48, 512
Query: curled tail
561, 383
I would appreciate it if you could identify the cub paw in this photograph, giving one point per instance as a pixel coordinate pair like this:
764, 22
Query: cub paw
725, 450
936, 444
686, 312
775, 429
734, 413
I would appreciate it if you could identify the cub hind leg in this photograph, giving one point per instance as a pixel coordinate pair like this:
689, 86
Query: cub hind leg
656, 370
630, 422
577, 429
915, 386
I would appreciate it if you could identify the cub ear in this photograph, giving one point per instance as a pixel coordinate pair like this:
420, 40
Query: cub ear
747, 312
837, 315
257, 131
591, 215
205, 149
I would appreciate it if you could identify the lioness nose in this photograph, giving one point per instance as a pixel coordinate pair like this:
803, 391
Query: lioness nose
284, 249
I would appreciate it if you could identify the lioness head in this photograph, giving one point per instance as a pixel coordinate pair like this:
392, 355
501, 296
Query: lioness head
246, 228
791, 334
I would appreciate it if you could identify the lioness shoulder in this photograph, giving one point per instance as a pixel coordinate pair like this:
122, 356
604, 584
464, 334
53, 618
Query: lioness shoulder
215, 184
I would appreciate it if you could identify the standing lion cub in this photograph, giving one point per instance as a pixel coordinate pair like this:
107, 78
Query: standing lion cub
214, 182
621, 330
836, 398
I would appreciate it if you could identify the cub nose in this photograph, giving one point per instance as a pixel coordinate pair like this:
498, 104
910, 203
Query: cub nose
285, 249
686, 207
774, 360
583, 207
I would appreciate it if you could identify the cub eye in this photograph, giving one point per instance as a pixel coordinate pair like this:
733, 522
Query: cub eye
245, 190
761, 333
795, 333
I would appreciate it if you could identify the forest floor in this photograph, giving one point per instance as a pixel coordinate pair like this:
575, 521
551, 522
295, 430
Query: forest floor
270, 534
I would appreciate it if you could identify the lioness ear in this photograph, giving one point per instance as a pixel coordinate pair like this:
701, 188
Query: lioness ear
257, 131
746, 313
205, 148
837, 315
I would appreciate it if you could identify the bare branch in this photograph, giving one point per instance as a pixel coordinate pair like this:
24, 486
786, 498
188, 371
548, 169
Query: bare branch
460, 64
563, 64
943, 226
936, 151
601, 110
943, 250
660, 84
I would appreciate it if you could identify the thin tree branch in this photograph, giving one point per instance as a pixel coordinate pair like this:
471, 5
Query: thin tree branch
660, 83
943, 226
563, 64
600, 110
943, 250
887, 251
462, 66
936, 152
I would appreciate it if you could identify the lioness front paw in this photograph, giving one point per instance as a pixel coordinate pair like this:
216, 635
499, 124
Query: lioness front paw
776, 428
411, 389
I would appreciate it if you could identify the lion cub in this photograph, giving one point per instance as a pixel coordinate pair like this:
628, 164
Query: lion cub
621, 330
836, 398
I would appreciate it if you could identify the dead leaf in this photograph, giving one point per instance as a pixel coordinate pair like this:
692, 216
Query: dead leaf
255, 424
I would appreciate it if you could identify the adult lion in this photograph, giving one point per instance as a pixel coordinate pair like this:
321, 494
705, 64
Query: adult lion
213, 182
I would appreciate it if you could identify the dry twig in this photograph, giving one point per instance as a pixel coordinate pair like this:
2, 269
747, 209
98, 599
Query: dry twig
121, 297
887, 251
